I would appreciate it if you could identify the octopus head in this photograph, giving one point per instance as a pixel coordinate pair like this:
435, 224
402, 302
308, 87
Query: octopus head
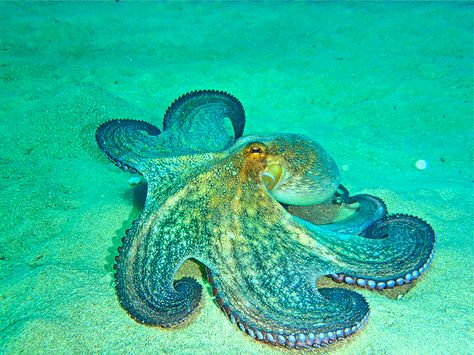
294, 169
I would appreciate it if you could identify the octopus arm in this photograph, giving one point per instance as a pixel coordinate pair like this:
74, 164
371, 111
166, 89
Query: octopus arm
367, 210
392, 251
342, 214
200, 118
152, 252
195, 123
265, 281
128, 143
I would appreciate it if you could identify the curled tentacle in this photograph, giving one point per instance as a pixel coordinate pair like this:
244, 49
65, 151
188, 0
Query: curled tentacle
393, 251
415, 241
341, 314
194, 123
352, 217
144, 276
399, 248
342, 195
127, 142
368, 209
200, 118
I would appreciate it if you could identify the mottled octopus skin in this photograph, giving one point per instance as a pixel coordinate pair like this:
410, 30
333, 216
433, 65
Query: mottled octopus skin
264, 248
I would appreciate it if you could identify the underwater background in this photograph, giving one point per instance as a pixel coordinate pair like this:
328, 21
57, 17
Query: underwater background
385, 87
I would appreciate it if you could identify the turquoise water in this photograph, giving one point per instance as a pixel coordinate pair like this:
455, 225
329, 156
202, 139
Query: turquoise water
381, 86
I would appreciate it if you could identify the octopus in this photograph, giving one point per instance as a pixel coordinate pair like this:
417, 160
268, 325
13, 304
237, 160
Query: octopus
266, 216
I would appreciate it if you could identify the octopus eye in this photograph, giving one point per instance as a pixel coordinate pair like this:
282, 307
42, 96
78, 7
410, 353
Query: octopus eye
256, 150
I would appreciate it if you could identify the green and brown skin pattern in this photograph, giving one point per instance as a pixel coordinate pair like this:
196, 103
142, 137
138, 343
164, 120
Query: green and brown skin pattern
263, 214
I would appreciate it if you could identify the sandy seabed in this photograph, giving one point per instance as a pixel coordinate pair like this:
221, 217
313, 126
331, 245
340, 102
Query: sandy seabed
379, 85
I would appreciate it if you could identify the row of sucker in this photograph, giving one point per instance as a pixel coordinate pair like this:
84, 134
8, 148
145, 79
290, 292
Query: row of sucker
180, 109
277, 338
119, 260
124, 143
378, 230
194, 123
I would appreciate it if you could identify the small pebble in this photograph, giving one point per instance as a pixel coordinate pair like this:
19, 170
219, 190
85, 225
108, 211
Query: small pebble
135, 180
421, 164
